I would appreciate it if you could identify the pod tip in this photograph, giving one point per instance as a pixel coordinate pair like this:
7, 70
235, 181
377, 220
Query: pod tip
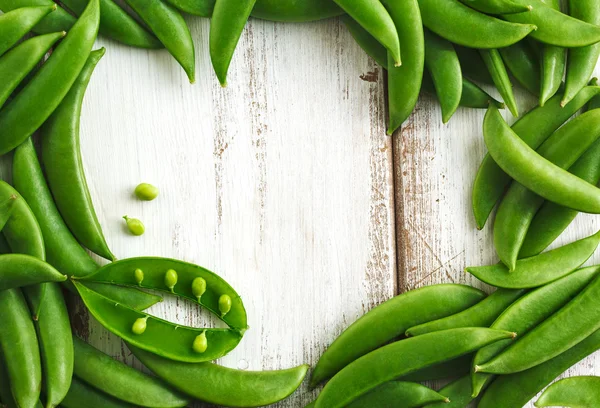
476, 369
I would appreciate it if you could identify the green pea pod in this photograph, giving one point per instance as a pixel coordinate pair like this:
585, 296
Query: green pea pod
130, 297
482, 314
583, 391
201, 8
18, 270
530, 169
58, 20
401, 358
554, 27
472, 65
373, 16
581, 61
121, 381
529, 311
226, 26
475, 30
82, 395
155, 335
366, 41
523, 65
153, 277
404, 82
171, 29
540, 269
574, 322
64, 170
15, 24
458, 392
497, 69
553, 62
533, 128
224, 386
449, 369
444, 67
295, 11
412, 395
390, 320
497, 6
42, 95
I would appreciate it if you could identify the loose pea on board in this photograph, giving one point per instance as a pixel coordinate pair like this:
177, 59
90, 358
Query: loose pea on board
146, 192
135, 226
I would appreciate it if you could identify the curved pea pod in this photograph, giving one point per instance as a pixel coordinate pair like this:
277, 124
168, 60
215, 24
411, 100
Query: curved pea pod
523, 64
295, 11
58, 20
412, 395
224, 386
82, 395
15, 24
366, 41
497, 69
42, 95
497, 6
18, 270
401, 358
574, 322
553, 62
458, 392
154, 271
121, 381
540, 269
482, 314
201, 8
390, 320
583, 391
155, 335
529, 311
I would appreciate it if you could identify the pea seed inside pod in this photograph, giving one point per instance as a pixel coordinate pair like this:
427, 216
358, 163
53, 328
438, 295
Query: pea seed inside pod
200, 343
171, 279
135, 226
198, 287
139, 276
139, 326
224, 304
146, 192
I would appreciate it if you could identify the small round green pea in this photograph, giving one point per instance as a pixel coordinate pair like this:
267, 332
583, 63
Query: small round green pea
171, 279
198, 287
139, 276
139, 326
200, 343
146, 192
224, 304
136, 227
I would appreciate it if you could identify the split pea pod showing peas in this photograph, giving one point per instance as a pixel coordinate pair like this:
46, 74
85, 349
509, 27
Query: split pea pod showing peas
15, 24
553, 62
40, 97
581, 391
497, 69
82, 395
390, 320
181, 278
401, 358
497, 6
523, 64
412, 395
58, 20
540, 269
158, 336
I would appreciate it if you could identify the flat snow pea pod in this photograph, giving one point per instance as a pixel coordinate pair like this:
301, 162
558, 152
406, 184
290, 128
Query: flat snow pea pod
444, 67
295, 11
582, 60
64, 169
154, 272
366, 41
576, 392
401, 358
482, 314
497, 69
399, 394
155, 335
476, 30
42, 95
121, 381
373, 16
554, 27
458, 392
201, 8
82, 395
533, 128
472, 65
574, 322
224, 386
17, 270
390, 320
497, 6
524, 66
167, 24
18, 62
528, 312
15, 24
404, 82
540, 269
519, 205
530, 169
553, 62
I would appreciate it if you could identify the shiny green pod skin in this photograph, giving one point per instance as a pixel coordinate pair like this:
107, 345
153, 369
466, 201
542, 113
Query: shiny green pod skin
458, 392
167, 24
524, 66
154, 269
528, 312
58, 20
482, 314
390, 320
519, 205
295, 11
224, 386
201, 8
497, 69
82, 395
15, 24
399, 394
18, 62
533, 128
61, 155
401, 358
553, 63
530, 169
226, 25
476, 30
159, 336
496, 6
581, 61
42, 95
17, 270
574, 322
576, 392
444, 67
540, 269
404, 82
121, 381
